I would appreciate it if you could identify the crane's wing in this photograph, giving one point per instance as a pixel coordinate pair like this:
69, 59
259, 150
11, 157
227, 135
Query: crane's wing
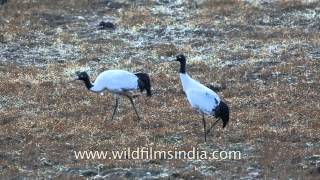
123, 80
203, 100
116, 80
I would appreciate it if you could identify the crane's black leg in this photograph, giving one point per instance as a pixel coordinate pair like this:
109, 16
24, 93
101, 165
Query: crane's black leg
204, 128
115, 107
208, 131
130, 98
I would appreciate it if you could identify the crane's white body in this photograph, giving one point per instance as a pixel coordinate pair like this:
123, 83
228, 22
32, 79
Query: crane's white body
115, 81
199, 96
202, 98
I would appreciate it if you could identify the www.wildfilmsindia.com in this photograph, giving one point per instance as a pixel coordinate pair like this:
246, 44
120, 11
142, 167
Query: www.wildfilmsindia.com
145, 153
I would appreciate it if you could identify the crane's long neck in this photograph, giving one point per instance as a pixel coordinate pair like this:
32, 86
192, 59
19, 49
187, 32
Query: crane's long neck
88, 83
183, 67
185, 81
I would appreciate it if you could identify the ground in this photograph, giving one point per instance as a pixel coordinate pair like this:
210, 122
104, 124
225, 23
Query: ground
264, 52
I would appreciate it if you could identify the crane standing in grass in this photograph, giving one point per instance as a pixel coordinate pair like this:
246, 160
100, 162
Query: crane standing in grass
118, 82
202, 98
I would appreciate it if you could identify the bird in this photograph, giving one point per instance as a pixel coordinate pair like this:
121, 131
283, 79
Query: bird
202, 98
119, 83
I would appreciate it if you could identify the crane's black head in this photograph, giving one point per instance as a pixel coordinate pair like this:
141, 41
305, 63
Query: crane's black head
83, 76
223, 113
182, 59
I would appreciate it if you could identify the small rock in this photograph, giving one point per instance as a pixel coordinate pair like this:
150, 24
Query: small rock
2, 2
89, 173
45, 162
129, 174
216, 87
61, 61
1, 38
116, 4
316, 53
176, 175
3, 167
313, 160
106, 25
266, 20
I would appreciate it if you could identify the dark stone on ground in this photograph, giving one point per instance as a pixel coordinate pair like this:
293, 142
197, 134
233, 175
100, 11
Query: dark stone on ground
106, 25
89, 173
2, 2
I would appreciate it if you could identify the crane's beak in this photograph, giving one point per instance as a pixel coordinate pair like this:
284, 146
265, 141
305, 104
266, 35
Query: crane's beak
71, 81
171, 59
75, 79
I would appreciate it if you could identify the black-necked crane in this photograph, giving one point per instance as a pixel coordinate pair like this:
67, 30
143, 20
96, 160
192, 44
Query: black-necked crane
202, 98
119, 83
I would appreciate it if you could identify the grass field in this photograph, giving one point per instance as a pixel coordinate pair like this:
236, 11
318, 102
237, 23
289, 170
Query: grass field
266, 53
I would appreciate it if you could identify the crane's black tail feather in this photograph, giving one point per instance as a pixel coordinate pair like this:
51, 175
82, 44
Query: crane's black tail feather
223, 112
144, 82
